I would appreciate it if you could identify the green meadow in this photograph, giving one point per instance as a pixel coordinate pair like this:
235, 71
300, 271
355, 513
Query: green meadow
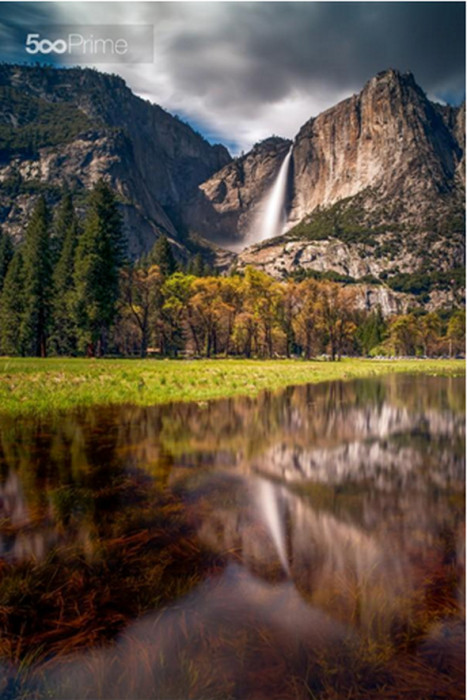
44, 386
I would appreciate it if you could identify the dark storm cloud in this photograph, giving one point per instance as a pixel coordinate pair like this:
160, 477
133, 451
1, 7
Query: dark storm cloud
283, 46
279, 63
245, 70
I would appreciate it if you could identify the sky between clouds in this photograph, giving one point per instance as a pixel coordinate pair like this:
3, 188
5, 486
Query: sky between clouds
239, 72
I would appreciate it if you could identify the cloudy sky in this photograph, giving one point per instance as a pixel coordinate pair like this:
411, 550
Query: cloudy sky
240, 71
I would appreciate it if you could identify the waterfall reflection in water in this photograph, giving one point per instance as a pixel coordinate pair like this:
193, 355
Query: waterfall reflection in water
305, 542
269, 506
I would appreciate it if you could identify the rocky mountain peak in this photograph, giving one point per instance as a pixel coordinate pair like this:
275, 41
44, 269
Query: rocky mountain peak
389, 137
389, 140
392, 76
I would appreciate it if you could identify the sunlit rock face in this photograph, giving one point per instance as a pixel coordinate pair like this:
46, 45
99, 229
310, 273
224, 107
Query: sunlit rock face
376, 186
389, 138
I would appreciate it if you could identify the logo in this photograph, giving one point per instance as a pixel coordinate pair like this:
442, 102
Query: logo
76, 43
93, 43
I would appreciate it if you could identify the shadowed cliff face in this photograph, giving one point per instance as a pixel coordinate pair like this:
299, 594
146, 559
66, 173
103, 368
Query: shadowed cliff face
152, 159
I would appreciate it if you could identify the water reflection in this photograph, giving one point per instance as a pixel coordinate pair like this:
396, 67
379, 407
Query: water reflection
306, 542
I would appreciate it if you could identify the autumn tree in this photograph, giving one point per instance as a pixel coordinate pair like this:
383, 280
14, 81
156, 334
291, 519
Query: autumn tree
456, 333
334, 314
177, 291
403, 334
211, 312
141, 289
231, 293
263, 299
245, 332
429, 327
306, 319
288, 311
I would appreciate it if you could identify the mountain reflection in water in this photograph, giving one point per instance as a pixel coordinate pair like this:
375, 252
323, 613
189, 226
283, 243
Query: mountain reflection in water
301, 544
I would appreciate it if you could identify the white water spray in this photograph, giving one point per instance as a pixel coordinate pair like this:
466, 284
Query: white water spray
273, 220
269, 507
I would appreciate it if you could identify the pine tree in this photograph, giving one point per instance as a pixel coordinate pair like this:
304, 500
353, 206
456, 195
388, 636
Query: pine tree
371, 331
99, 256
161, 255
11, 307
6, 256
64, 219
38, 282
66, 228
197, 267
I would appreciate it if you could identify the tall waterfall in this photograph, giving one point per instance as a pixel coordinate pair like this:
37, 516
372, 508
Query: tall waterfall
273, 219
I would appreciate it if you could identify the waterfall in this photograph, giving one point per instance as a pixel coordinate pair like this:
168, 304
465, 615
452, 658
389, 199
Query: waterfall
273, 220
270, 509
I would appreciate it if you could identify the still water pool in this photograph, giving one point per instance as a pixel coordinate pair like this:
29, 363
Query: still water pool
303, 544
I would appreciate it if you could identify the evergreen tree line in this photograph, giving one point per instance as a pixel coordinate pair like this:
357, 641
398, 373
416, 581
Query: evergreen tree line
60, 287
68, 290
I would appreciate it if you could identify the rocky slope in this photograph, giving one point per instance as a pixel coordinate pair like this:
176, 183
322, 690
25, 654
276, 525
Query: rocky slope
76, 126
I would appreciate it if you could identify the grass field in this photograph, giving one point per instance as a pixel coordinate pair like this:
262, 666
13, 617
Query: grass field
45, 386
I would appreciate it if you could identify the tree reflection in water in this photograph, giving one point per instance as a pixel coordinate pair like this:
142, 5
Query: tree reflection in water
303, 543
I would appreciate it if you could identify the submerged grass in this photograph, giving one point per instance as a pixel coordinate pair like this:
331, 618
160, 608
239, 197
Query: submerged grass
45, 386
82, 594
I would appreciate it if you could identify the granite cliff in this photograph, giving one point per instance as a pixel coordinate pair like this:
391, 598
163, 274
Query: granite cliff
76, 126
401, 153
375, 193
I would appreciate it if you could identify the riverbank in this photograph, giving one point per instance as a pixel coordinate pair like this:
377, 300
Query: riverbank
45, 386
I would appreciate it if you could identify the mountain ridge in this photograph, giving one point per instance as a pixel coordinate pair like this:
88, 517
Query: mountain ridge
375, 191
342, 151
128, 139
